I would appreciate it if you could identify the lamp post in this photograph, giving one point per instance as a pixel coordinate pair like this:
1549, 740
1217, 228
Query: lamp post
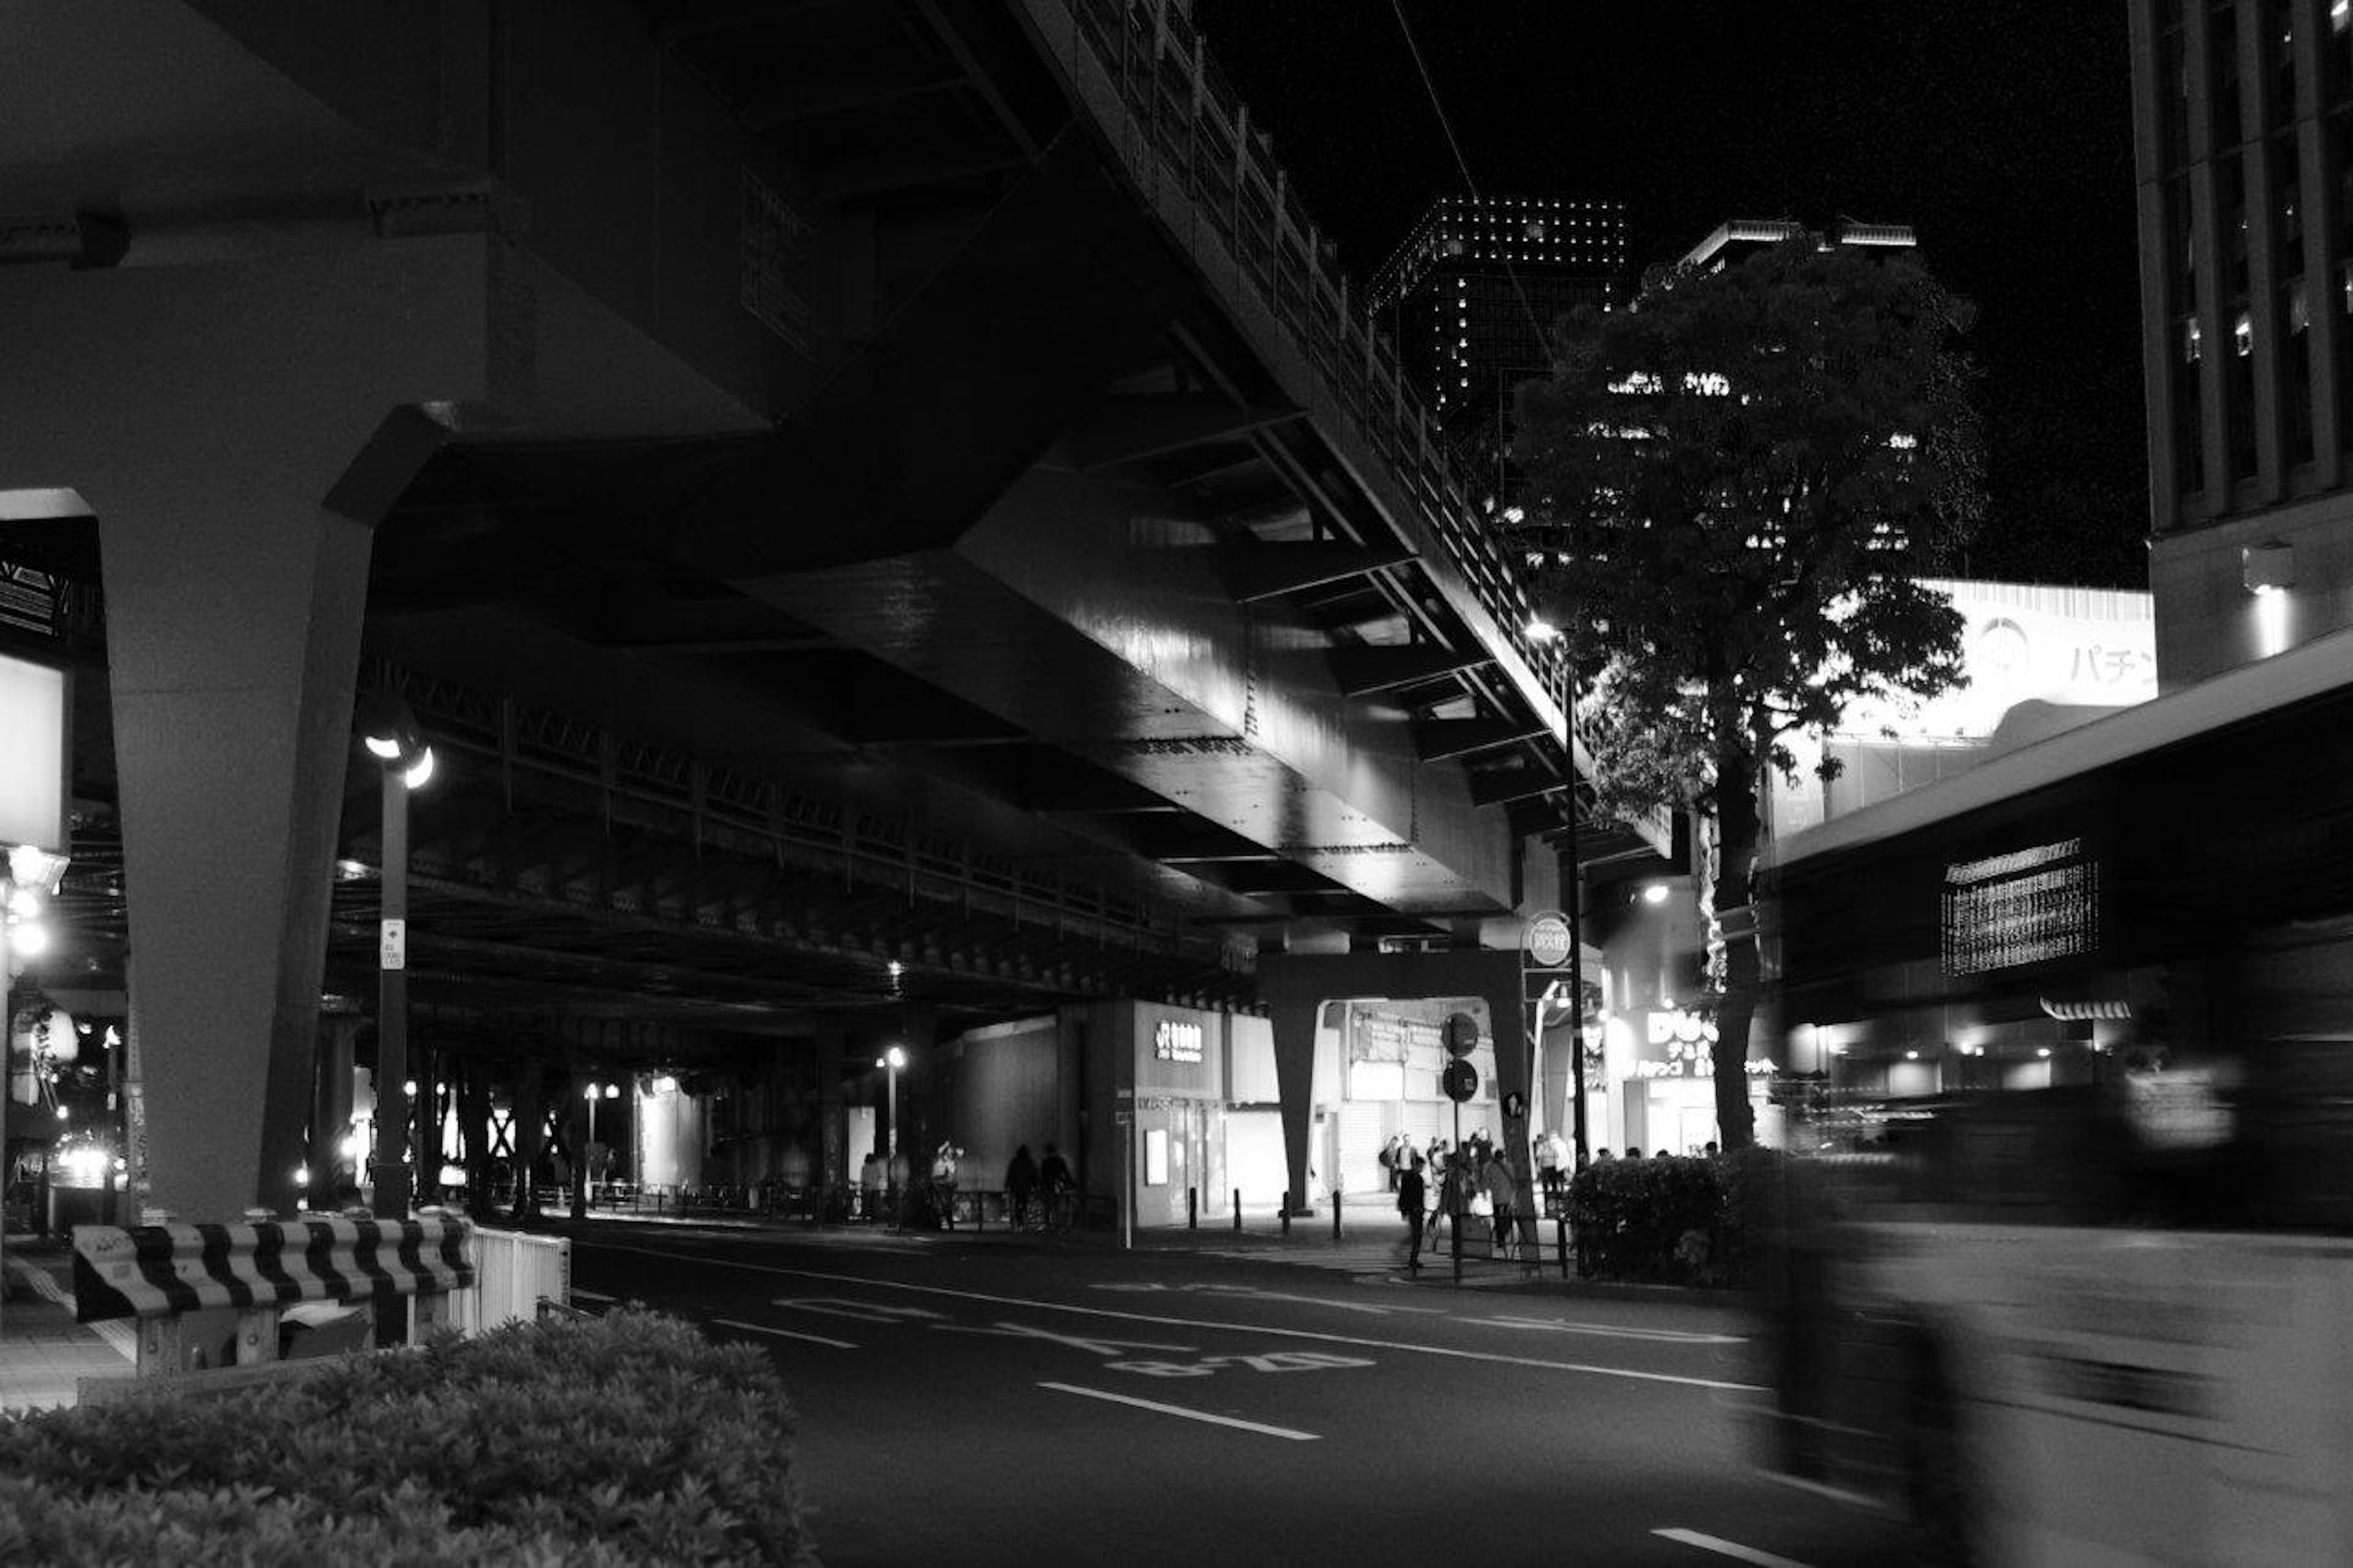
891, 1062
592, 1094
1565, 693
388, 730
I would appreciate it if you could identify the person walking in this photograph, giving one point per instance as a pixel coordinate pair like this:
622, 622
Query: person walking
1409, 1202
1551, 1160
1054, 1179
1020, 1181
870, 1185
1503, 1191
1390, 1158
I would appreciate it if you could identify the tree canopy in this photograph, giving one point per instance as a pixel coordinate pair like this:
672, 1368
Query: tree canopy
1732, 492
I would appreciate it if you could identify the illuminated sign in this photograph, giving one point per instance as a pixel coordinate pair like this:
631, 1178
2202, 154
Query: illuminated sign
1678, 1044
1176, 1042
2027, 907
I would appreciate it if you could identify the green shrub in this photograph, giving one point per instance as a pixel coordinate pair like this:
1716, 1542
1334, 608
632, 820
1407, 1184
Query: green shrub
623, 1439
1685, 1221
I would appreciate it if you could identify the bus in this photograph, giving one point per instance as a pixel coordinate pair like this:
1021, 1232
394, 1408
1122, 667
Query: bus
2063, 1266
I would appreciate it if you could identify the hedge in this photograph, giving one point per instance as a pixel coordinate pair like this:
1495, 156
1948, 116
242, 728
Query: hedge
622, 1440
1684, 1221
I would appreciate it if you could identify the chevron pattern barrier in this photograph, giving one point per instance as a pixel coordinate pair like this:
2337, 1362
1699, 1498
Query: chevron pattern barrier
166, 1270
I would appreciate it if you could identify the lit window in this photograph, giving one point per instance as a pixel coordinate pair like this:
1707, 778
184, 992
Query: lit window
2243, 335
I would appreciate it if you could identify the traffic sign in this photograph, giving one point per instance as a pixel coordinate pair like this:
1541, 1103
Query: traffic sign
1549, 940
392, 945
1462, 1034
1515, 1105
1462, 1080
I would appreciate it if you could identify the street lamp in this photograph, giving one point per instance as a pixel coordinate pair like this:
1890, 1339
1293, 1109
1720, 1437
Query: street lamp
592, 1094
1541, 630
388, 729
891, 1061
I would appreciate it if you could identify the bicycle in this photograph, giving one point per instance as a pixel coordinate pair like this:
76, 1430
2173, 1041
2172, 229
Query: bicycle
1060, 1210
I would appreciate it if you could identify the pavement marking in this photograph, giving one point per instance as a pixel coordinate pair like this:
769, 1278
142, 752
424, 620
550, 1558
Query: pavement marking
1447, 1352
1732, 1549
1376, 1308
856, 1312
782, 1333
1661, 1336
1180, 1410
1091, 1345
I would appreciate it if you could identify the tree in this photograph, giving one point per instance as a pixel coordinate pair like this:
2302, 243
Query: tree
1731, 493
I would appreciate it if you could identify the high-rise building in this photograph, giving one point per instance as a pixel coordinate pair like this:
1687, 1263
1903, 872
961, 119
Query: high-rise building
1728, 242
1472, 297
2242, 129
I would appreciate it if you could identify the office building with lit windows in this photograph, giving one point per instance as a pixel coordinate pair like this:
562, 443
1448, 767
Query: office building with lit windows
2244, 140
1472, 297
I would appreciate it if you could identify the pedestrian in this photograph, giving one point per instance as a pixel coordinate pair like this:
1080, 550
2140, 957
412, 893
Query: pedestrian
1020, 1181
1503, 1191
1410, 1200
1388, 1158
1552, 1158
1054, 1179
870, 1185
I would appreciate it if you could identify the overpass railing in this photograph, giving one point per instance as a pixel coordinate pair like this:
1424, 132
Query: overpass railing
1191, 125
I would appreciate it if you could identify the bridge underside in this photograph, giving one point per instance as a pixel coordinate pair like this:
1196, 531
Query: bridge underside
860, 567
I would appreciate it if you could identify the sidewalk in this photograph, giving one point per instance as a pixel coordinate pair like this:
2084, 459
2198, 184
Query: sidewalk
43, 1353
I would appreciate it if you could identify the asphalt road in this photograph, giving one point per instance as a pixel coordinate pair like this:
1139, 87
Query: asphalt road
1036, 1403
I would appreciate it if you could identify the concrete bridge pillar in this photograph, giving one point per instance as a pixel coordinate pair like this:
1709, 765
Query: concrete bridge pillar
236, 428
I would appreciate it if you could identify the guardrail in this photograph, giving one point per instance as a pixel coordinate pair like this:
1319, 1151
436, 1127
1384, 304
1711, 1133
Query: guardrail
163, 1275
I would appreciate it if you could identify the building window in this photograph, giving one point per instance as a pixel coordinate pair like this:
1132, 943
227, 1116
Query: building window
2181, 248
2295, 370
2223, 69
2230, 186
2189, 412
2279, 39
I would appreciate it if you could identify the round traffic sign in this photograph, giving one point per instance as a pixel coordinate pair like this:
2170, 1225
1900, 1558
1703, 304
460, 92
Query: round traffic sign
1548, 940
1462, 1034
1462, 1080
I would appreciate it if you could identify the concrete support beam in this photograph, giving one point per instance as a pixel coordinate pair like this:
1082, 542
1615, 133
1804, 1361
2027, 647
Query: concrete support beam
1294, 985
229, 425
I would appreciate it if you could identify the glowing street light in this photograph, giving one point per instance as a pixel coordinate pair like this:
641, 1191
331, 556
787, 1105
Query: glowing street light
387, 728
891, 1062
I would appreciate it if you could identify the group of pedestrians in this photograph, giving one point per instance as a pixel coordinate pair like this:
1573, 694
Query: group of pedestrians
1047, 1182
1474, 1184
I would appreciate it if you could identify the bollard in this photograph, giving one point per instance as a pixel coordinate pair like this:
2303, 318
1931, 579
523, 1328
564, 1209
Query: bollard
1336, 1214
1286, 1212
1560, 1234
1238, 1208
1192, 1208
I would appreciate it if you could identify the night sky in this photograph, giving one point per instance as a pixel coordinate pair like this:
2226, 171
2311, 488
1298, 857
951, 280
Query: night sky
1998, 129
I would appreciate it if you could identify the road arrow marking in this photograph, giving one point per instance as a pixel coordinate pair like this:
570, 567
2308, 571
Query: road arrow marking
782, 1333
1180, 1410
1732, 1549
1661, 1336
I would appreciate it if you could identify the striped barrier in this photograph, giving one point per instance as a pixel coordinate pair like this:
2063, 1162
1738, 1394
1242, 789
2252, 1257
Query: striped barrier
161, 1273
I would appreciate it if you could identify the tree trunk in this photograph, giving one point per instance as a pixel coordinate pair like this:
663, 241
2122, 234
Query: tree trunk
1735, 917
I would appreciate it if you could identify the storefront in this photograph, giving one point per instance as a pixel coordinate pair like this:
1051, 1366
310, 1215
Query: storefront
1660, 1067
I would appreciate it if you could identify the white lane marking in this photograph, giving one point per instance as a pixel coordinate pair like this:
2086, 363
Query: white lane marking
782, 1333
1180, 1410
1732, 1549
1091, 1345
1448, 1352
593, 1295
1661, 1336
856, 1311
